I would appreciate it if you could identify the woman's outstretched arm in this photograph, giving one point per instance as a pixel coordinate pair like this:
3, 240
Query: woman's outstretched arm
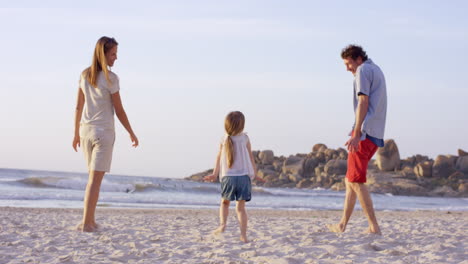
120, 113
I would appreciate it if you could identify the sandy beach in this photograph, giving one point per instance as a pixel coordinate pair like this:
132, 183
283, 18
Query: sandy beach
185, 236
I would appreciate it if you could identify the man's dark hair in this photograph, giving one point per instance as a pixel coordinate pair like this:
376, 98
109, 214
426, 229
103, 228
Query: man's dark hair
353, 52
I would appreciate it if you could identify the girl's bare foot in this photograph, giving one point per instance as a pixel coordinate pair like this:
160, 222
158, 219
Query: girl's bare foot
220, 229
244, 239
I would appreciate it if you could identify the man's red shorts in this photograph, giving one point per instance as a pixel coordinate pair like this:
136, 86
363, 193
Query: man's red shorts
358, 161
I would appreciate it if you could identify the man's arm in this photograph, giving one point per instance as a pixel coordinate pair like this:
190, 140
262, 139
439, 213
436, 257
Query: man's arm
361, 112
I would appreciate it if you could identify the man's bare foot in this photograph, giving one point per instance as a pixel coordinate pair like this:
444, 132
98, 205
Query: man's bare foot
244, 239
372, 231
336, 228
220, 229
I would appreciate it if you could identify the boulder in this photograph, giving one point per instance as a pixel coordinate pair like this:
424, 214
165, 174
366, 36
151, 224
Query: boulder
414, 160
444, 191
293, 165
443, 166
342, 153
304, 183
266, 157
295, 177
331, 154
278, 165
408, 187
255, 155
271, 178
462, 153
462, 164
284, 177
266, 173
388, 157
336, 166
309, 166
463, 187
319, 169
339, 186
319, 147
456, 176
320, 157
423, 169
407, 171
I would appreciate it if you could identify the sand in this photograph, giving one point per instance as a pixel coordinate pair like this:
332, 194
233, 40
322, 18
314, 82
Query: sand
185, 236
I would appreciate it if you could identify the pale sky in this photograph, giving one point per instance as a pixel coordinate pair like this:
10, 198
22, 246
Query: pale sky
183, 65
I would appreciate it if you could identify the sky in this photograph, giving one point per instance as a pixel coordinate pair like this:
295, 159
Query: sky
183, 65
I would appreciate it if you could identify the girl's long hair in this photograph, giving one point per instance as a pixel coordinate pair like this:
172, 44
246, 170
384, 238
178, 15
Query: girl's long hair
99, 63
234, 125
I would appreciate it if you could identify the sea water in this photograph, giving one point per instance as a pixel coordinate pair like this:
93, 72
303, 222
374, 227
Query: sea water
53, 189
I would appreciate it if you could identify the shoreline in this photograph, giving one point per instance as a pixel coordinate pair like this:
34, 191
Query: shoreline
132, 235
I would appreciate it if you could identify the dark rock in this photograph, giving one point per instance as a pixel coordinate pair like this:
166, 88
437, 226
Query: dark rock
266, 157
294, 165
388, 157
339, 186
336, 167
295, 177
310, 164
320, 157
278, 165
443, 166
444, 191
319, 147
423, 169
463, 187
304, 183
342, 154
462, 164
267, 174
456, 176
462, 153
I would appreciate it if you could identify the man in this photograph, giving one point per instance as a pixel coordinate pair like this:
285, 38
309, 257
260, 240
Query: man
370, 108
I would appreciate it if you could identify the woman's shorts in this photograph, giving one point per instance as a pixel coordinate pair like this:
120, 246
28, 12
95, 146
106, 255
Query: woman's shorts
358, 161
236, 188
97, 144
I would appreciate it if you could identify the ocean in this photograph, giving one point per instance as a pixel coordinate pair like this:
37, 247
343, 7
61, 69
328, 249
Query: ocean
53, 189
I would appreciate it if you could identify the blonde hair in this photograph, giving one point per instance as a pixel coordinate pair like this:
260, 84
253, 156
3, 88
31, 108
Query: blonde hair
234, 125
99, 63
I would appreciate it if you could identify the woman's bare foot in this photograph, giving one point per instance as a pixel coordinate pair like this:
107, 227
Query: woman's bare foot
95, 226
86, 228
220, 229
336, 228
244, 239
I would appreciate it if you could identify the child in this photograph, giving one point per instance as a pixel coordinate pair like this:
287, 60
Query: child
236, 167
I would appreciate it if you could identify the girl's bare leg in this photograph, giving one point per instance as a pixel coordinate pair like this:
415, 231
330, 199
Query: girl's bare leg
223, 215
242, 217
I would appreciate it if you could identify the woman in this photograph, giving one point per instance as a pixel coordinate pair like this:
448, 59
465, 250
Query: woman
98, 98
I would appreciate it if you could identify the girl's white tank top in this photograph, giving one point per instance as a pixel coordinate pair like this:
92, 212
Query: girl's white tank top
242, 164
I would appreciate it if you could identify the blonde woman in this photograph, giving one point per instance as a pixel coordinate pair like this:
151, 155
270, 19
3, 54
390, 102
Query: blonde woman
98, 98
236, 168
